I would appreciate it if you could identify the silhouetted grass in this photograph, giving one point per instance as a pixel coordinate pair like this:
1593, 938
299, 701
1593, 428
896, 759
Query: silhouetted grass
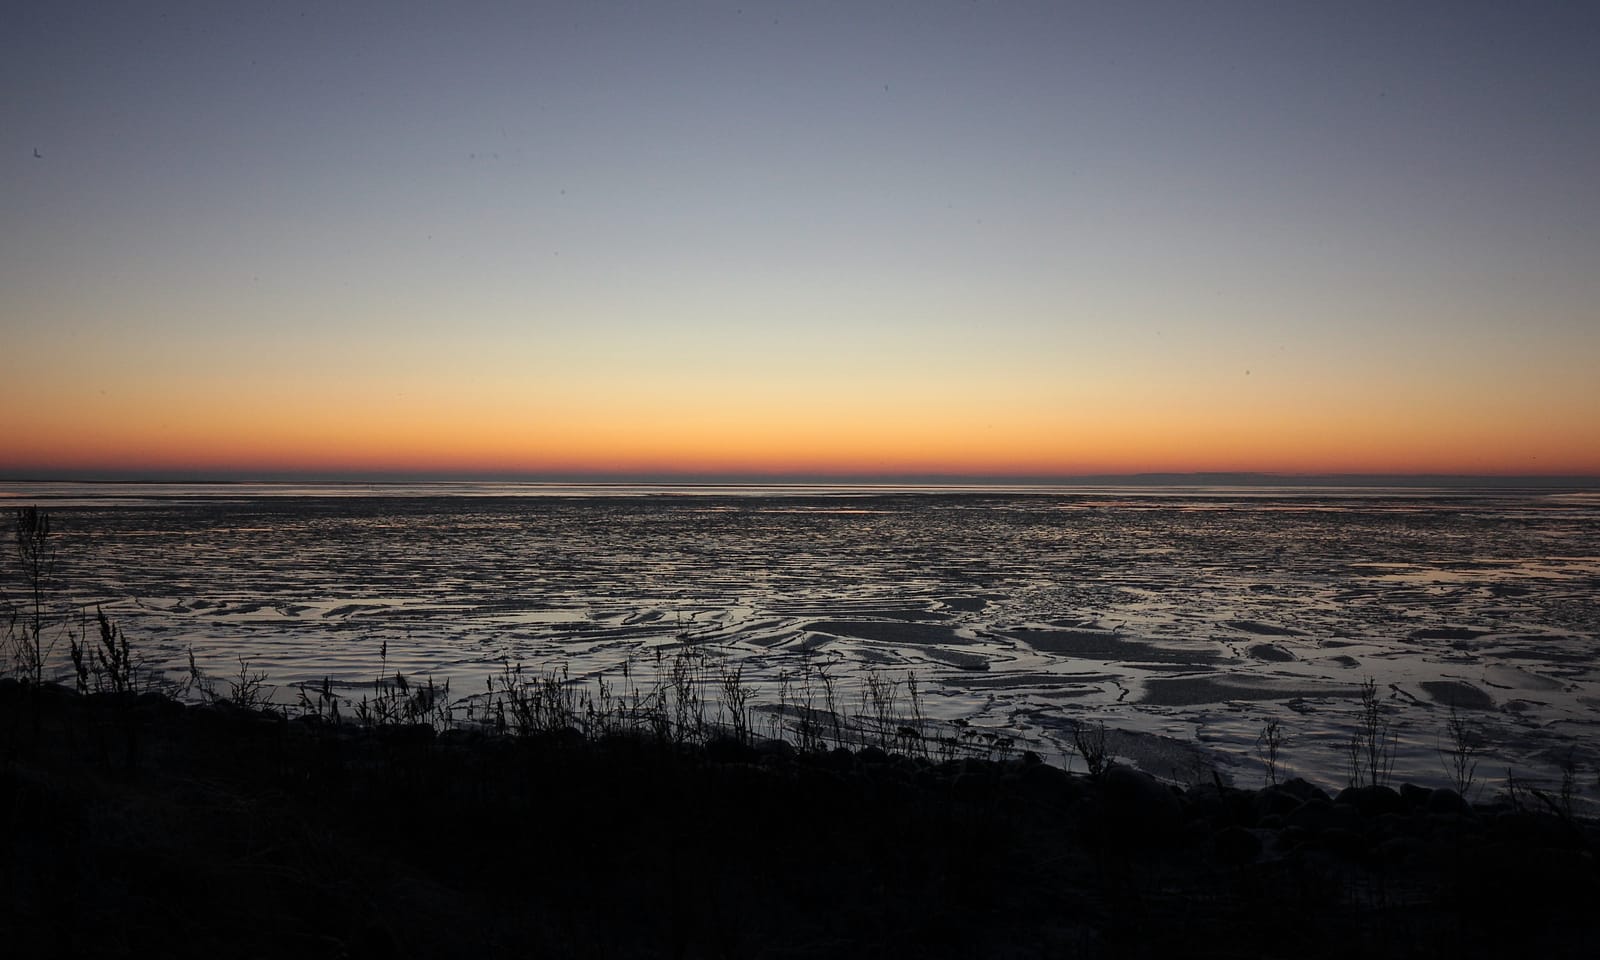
135, 815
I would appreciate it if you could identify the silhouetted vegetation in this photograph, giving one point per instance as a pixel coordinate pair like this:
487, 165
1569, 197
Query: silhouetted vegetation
1270, 745
36, 561
1460, 755
1092, 746
1371, 747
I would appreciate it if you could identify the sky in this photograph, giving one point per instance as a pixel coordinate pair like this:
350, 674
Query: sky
843, 239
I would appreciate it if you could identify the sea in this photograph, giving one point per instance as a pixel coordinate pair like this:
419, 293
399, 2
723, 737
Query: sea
1185, 620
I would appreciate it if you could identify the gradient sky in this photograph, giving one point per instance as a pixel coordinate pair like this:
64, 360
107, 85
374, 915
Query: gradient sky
854, 238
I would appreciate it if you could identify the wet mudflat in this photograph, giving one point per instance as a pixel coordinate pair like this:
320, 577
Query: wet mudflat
1184, 622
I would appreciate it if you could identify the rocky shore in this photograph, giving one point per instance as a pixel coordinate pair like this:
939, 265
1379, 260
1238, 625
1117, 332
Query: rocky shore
139, 824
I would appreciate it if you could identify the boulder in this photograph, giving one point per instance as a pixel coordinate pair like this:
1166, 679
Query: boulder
1400, 850
1414, 796
729, 750
1321, 815
1236, 845
151, 705
1397, 825
1303, 790
1140, 805
1274, 801
872, 754
972, 787
1047, 782
1351, 844
1373, 801
1448, 802
775, 750
407, 734
841, 759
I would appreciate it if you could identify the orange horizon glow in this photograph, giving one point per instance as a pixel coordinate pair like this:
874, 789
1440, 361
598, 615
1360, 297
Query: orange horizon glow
1042, 447
1029, 427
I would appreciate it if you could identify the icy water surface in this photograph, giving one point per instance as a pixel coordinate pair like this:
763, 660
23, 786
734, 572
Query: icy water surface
1184, 618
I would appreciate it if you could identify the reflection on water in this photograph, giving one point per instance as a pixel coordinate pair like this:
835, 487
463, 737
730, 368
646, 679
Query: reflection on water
1183, 616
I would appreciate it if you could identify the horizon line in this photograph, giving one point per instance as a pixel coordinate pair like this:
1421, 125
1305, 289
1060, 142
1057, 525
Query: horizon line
1154, 478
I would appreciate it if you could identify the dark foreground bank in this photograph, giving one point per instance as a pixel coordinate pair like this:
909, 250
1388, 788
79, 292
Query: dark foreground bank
139, 825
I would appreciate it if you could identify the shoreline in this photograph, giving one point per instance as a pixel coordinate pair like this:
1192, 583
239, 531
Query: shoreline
138, 816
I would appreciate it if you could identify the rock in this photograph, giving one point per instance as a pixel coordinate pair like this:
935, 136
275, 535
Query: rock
871, 754
566, 738
211, 716
1237, 805
1274, 801
1414, 796
1236, 845
978, 767
407, 734
775, 750
1447, 801
157, 707
1043, 779
1524, 828
1320, 815
1343, 842
841, 759
971, 787
1396, 825
1139, 804
53, 692
1290, 839
1400, 850
1372, 801
903, 767
1302, 790
461, 738
1203, 805
310, 721
728, 750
